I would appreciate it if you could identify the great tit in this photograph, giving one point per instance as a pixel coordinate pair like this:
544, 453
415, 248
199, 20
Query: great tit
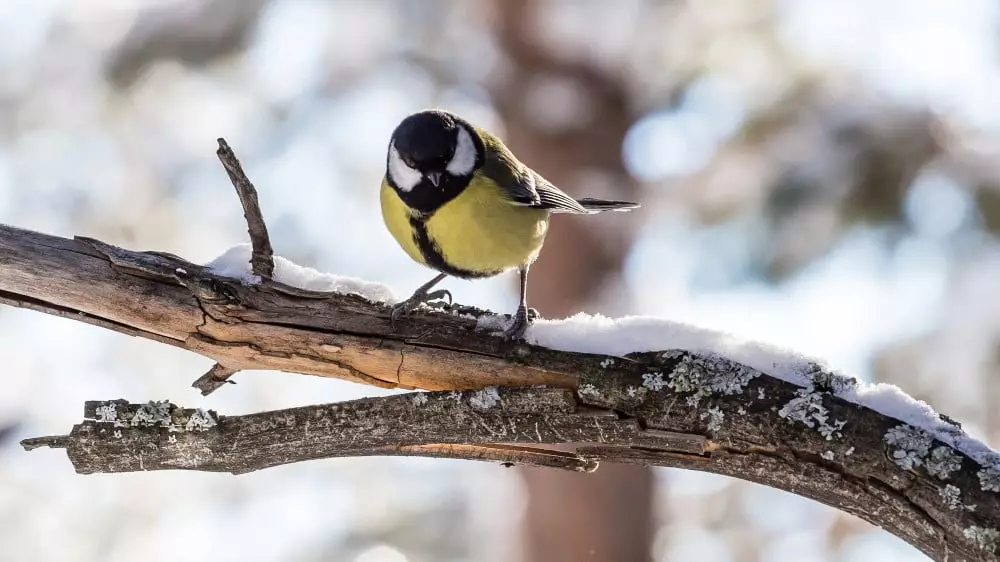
458, 201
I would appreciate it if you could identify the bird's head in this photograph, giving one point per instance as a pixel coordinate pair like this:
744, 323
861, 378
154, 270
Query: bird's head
434, 152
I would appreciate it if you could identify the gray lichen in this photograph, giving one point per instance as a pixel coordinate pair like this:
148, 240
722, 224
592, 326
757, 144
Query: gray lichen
200, 420
827, 455
984, 537
910, 445
419, 399
588, 389
807, 408
107, 413
653, 381
942, 462
152, 413
989, 479
951, 496
705, 376
715, 418
485, 399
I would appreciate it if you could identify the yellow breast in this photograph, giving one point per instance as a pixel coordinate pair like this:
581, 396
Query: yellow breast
396, 216
478, 233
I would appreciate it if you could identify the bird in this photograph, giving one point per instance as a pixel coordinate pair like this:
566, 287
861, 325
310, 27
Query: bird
458, 201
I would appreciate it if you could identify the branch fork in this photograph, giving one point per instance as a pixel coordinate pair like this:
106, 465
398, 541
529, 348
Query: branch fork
485, 400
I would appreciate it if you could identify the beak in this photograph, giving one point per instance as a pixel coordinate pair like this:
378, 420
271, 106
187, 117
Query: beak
434, 178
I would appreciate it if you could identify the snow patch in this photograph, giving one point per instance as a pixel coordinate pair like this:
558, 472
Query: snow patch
235, 262
618, 337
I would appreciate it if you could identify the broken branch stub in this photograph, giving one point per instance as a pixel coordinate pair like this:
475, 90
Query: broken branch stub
262, 256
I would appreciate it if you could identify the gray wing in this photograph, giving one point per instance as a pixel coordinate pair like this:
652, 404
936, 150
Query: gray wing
525, 186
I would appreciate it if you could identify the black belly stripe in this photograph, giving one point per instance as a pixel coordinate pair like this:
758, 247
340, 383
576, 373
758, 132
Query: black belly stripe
432, 253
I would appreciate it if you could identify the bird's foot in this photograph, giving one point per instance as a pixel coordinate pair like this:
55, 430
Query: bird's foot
433, 299
522, 319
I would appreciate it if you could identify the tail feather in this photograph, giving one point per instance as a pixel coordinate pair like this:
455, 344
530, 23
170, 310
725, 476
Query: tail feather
598, 205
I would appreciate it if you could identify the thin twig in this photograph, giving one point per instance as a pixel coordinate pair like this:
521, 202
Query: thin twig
262, 260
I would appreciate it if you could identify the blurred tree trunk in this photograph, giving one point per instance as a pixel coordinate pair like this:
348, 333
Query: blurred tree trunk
606, 516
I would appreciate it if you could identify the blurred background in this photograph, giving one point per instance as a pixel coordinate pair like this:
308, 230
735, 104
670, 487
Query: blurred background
819, 175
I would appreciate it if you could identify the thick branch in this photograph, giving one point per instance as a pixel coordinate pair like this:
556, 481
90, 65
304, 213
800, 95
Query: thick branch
616, 417
267, 326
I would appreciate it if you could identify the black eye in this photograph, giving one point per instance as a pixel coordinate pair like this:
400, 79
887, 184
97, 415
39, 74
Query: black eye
409, 161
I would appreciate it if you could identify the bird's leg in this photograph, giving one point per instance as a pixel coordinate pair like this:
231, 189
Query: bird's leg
521, 319
423, 295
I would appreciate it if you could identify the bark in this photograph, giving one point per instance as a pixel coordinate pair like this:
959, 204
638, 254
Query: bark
669, 408
615, 415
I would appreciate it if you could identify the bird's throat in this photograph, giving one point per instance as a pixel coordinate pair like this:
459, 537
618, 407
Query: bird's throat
426, 198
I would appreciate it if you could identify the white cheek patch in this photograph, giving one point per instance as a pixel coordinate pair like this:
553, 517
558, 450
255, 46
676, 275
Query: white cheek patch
403, 177
464, 159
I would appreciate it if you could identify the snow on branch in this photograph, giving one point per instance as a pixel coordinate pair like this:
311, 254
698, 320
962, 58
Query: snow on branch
635, 389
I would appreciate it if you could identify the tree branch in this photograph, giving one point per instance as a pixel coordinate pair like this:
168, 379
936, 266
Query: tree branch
616, 416
669, 408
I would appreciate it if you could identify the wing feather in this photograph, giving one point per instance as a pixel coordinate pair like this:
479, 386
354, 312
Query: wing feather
523, 185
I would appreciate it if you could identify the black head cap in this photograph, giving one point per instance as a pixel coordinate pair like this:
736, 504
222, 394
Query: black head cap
427, 138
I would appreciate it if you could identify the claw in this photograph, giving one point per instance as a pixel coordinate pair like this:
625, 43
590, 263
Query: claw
433, 299
519, 327
438, 295
398, 310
